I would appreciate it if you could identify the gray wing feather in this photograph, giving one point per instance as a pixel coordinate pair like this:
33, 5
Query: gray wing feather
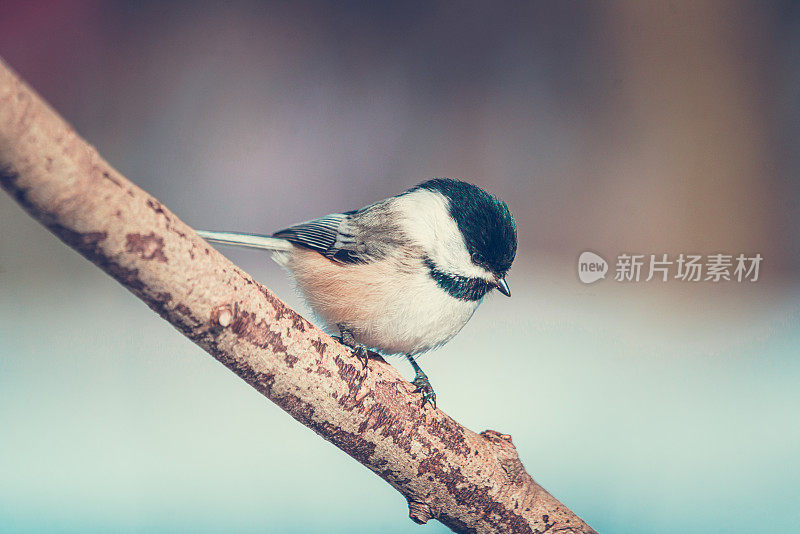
353, 237
319, 234
329, 235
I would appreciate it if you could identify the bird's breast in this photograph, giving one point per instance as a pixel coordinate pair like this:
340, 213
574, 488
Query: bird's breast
387, 304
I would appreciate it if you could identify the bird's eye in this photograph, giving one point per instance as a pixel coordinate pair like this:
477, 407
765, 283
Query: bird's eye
477, 258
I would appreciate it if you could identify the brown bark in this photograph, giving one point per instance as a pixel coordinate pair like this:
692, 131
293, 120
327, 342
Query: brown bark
470, 482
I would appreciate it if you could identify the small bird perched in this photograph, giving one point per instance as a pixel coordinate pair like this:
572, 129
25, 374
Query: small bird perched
402, 275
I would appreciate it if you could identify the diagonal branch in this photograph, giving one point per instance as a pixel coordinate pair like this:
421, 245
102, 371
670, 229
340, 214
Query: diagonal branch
470, 482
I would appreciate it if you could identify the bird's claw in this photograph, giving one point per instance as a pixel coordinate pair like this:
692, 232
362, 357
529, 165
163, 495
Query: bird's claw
423, 385
359, 351
362, 354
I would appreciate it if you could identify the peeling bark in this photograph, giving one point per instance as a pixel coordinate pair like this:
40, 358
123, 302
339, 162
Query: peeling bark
470, 482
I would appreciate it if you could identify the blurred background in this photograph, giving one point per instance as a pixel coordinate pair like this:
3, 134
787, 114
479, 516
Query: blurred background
625, 126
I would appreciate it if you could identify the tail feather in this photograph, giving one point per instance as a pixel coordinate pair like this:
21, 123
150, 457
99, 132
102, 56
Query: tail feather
246, 240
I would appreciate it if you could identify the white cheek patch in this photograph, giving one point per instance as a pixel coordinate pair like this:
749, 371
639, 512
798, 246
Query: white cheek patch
424, 216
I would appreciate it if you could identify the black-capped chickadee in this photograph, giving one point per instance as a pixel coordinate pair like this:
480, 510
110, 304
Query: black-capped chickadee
402, 275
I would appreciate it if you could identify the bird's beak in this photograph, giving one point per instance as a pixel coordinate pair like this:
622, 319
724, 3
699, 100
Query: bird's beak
502, 287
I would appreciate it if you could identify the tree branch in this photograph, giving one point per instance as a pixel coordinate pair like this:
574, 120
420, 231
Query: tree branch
470, 482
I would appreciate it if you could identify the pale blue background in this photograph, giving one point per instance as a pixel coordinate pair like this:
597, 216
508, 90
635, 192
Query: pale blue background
654, 408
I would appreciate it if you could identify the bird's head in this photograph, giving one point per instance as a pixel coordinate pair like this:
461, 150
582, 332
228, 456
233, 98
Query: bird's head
466, 233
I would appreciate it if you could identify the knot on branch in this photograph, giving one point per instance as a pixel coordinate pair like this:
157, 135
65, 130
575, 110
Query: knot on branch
419, 512
506, 453
497, 438
222, 315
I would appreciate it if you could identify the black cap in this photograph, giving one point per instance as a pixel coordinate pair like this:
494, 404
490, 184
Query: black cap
484, 220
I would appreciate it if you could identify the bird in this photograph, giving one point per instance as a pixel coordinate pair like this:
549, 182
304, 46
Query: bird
399, 276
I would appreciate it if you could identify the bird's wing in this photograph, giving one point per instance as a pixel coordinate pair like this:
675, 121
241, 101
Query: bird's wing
331, 235
361, 236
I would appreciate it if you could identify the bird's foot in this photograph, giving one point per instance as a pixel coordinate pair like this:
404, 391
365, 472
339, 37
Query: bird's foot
359, 350
423, 385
